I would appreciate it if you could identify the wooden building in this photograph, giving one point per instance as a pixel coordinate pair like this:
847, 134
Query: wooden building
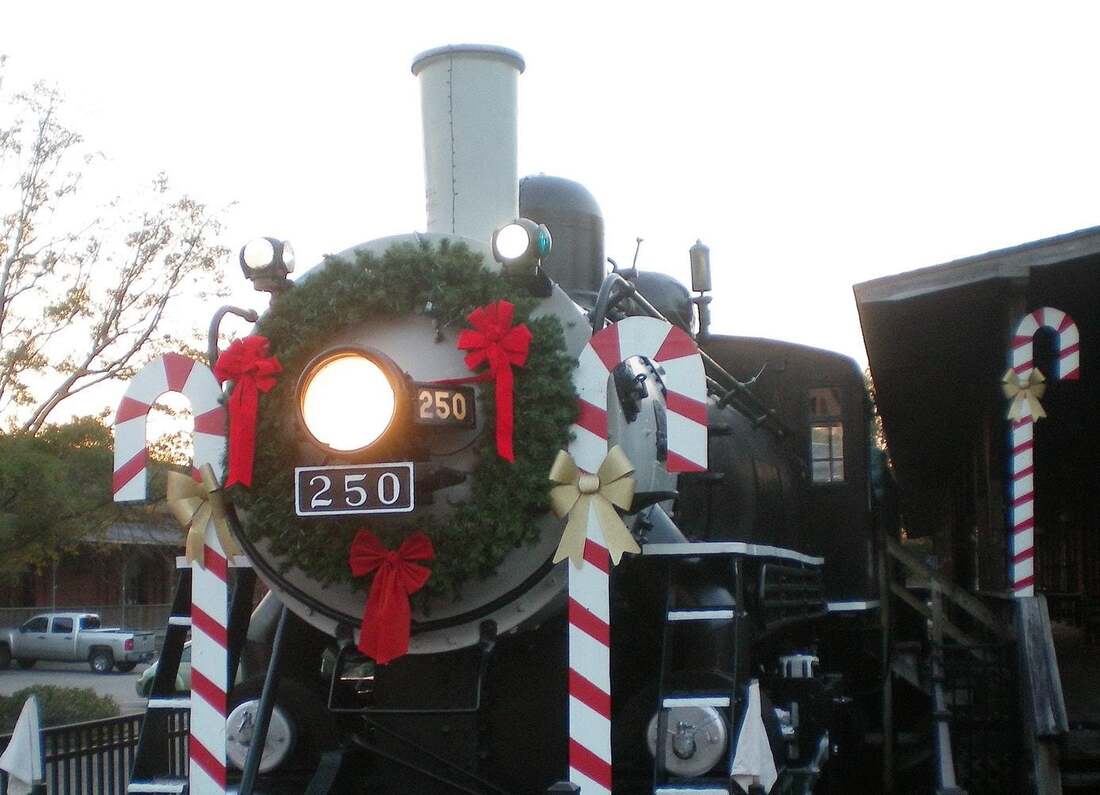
938, 343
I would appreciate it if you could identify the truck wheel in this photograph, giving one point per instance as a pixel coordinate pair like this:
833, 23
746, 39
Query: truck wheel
5, 657
26, 665
125, 667
101, 661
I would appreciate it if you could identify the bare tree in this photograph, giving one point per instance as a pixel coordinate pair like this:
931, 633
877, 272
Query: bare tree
84, 301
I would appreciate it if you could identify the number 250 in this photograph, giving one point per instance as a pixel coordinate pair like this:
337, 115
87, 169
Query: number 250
355, 496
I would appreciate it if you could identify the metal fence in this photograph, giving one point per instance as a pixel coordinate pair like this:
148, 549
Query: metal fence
95, 758
128, 616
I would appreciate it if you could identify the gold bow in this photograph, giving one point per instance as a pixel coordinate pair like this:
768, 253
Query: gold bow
579, 493
194, 505
1024, 394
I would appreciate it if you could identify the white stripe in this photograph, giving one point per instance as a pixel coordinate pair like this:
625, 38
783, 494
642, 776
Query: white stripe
729, 548
588, 586
148, 383
587, 785
1025, 539
642, 336
589, 658
588, 449
1027, 326
696, 701
1068, 362
687, 438
1023, 485
208, 593
1028, 591
841, 607
699, 615
1023, 433
590, 377
210, 449
209, 659
1022, 460
589, 728
202, 784
1052, 317
201, 389
1025, 568
1070, 336
686, 376
1023, 512
129, 441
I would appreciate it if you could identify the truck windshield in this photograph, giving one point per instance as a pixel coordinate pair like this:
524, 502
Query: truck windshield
89, 622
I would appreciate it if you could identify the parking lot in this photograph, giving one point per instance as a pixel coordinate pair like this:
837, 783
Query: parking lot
118, 685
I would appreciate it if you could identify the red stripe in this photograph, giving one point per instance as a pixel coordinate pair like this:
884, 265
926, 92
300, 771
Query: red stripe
196, 475
1023, 446
212, 422
1022, 368
204, 759
1029, 497
686, 407
1026, 582
1019, 342
588, 694
1023, 473
1038, 315
128, 471
1021, 422
592, 418
1026, 524
209, 626
214, 563
584, 761
596, 555
1068, 349
1027, 554
587, 622
208, 692
128, 409
606, 345
177, 368
677, 463
1067, 321
676, 345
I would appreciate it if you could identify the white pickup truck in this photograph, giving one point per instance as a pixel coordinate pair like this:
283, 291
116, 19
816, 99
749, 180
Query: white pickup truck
75, 637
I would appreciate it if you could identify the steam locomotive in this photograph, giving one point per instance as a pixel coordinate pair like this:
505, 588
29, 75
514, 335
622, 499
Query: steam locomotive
771, 547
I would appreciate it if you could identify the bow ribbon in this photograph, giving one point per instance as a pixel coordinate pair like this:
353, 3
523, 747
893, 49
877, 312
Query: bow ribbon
496, 342
247, 364
194, 505
387, 617
1024, 394
585, 497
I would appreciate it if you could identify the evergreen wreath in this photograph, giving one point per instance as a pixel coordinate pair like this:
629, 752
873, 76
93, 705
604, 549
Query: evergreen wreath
446, 281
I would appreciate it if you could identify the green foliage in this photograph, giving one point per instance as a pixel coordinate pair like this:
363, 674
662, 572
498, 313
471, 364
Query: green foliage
57, 706
448, 283
55, 489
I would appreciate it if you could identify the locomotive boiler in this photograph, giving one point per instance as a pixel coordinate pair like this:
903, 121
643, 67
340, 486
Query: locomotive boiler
737, 629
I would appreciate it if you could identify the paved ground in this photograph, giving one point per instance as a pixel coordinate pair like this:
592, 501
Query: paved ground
118, 685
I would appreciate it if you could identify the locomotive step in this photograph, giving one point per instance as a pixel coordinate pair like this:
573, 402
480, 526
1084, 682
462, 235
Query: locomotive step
705, 787
165, 785
695, 700
701, 614
169, 703
179, 621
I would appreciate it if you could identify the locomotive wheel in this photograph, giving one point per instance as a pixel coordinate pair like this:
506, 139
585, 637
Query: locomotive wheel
301, 729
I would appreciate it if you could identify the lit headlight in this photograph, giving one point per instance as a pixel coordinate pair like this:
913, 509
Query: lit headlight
348, 399
520, 245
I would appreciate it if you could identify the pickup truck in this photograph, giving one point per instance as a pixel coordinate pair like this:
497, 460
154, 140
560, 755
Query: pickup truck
75, 637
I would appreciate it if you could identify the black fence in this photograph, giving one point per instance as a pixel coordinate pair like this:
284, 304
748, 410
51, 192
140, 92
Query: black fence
95, 758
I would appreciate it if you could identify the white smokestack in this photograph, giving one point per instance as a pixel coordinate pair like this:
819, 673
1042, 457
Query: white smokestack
468, 102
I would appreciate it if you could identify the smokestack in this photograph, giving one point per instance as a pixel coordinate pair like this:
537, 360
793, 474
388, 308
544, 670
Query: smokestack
468, 103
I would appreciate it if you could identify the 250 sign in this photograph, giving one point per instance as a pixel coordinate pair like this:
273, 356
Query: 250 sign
367, 488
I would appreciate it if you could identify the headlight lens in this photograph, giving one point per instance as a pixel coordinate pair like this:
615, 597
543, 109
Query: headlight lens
347, 401
512, 241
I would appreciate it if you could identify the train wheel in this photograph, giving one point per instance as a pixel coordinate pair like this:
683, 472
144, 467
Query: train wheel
301, 728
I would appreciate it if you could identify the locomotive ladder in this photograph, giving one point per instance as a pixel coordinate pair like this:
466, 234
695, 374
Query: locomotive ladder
156, 768
668, 698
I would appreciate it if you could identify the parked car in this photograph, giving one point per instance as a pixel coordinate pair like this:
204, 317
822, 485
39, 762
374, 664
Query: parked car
75, 637
144, 682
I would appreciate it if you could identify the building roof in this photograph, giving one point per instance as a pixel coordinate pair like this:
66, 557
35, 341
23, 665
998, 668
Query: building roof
139, 533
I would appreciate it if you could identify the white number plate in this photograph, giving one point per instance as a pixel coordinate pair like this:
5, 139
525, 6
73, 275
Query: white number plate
366, 488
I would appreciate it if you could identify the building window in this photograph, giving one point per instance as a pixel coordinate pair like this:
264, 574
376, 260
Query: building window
826, 436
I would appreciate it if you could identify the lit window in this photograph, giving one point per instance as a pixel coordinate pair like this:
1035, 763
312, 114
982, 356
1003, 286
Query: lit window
826, 436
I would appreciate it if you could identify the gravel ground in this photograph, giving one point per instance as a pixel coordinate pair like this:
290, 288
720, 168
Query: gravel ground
118, 685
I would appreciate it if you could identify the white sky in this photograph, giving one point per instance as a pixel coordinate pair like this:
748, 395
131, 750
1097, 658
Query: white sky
811, 146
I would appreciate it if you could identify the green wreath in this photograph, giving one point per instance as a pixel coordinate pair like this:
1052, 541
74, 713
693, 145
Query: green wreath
447, 281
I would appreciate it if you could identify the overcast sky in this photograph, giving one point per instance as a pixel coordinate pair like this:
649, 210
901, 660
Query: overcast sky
811, 146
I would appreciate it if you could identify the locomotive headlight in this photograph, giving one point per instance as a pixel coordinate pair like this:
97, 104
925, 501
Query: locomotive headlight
266, 261
348, 398
520, 245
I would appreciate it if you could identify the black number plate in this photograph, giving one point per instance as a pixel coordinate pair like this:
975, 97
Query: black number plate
445, 405
369, 488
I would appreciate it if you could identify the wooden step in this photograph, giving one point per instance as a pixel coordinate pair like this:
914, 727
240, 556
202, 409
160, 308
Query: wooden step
165, 785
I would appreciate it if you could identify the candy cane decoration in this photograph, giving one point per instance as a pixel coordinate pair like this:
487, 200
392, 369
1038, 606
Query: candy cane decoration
209, 594
589, 597
1022, 434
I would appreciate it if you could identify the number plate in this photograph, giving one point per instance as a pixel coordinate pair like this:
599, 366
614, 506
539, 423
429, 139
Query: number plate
445, 405
368, 488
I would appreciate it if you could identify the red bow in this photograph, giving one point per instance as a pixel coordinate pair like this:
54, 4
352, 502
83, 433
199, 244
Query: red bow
494, 340
387, 617
247, 364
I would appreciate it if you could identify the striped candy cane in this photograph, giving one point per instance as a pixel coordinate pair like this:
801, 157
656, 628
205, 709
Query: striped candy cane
589, 596
1022, 434
209, 594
